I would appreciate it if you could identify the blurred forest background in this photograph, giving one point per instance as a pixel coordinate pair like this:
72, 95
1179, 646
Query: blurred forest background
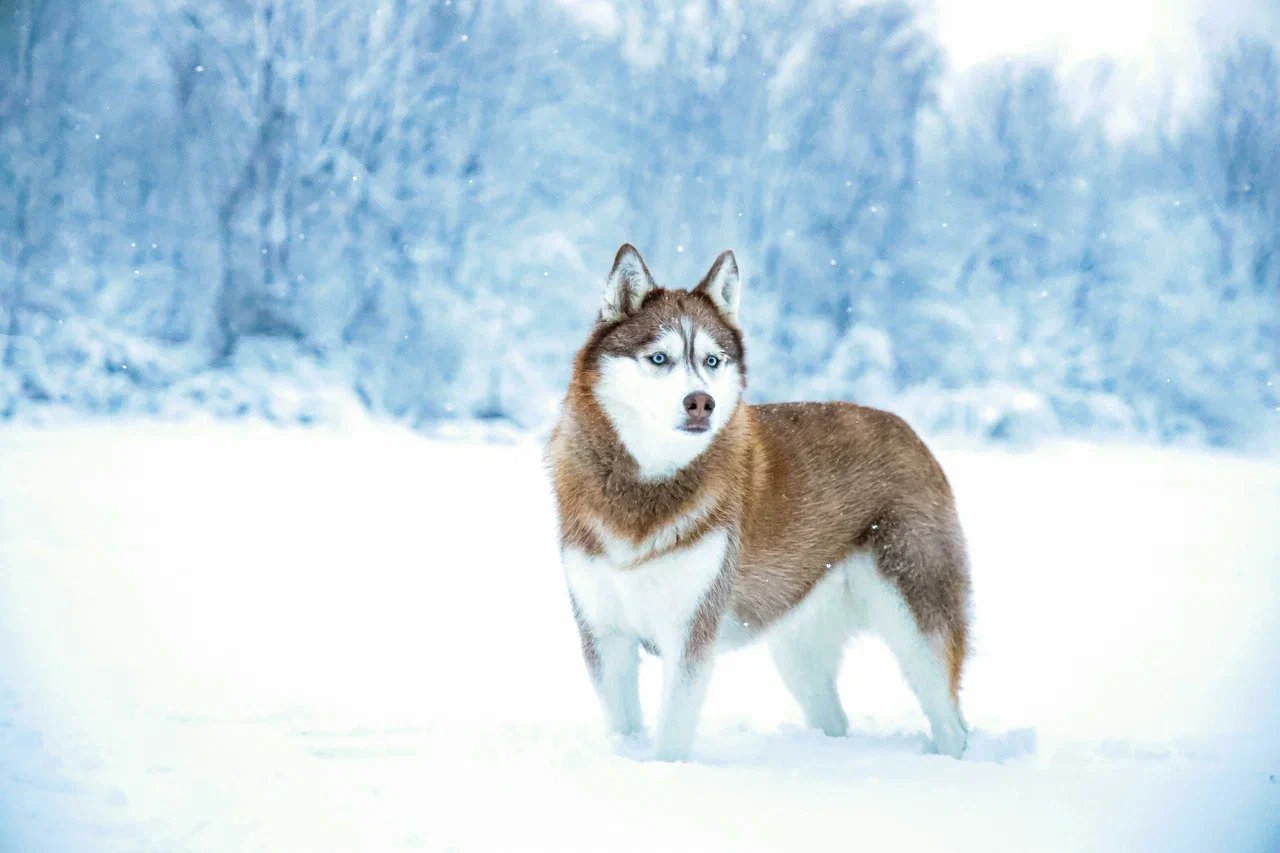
269, 207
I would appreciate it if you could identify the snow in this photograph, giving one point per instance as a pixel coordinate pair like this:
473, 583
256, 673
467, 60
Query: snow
239, 637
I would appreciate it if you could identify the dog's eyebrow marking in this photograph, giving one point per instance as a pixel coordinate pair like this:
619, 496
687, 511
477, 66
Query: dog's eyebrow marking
664, 340
708, 342
687, 332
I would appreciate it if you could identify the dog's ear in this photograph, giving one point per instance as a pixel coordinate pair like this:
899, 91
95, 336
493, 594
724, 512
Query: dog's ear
722, 286
629, 281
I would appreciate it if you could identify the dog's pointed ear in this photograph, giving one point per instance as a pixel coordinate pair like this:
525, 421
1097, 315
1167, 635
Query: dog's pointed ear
721, 284
629, 281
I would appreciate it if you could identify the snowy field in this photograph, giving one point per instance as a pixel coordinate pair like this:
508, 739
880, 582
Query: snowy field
218, 638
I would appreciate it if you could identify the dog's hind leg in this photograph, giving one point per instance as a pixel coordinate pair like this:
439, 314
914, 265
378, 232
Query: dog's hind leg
930, 660
807, 647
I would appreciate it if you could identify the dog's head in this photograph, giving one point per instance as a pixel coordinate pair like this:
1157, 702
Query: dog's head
667, 366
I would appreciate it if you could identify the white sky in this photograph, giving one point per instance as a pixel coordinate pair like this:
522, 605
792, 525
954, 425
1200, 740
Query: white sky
1157, 46
1145, 31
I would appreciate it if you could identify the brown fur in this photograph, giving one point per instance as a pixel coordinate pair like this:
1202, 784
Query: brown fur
802, 485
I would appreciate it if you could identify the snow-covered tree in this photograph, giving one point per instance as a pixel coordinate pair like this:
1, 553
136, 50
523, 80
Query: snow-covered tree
236, 204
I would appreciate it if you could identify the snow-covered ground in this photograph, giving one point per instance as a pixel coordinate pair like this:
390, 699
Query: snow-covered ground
241, 638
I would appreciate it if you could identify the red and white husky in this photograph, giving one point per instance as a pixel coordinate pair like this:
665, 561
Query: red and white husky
691, 521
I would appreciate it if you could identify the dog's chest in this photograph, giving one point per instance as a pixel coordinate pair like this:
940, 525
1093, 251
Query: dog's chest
654, 598
623, 552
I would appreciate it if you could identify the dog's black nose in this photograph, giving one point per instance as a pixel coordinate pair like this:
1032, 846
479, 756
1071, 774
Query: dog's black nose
699, 406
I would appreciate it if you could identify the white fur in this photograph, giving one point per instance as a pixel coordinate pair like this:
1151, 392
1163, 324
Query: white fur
619, 683
919, 656
645, 402
683, 692
703, 343
656, 601
807, 644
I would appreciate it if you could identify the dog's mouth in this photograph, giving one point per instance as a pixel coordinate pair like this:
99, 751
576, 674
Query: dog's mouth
695, 427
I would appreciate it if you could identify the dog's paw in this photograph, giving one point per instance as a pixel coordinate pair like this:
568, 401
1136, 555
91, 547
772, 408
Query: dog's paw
632, 744
949, 738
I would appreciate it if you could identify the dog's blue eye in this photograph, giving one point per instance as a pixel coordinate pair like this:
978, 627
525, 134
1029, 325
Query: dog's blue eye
658, 358
712, 361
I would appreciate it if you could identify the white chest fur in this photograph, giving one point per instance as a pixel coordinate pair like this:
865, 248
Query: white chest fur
622, 552
655, 599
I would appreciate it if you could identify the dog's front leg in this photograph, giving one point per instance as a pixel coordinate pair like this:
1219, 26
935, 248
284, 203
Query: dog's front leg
613, 662
610, 651
688, 657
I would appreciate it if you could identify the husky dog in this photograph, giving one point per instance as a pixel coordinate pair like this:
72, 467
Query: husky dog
691, 521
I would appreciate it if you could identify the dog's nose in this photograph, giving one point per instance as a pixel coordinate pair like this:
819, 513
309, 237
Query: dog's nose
699, 405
